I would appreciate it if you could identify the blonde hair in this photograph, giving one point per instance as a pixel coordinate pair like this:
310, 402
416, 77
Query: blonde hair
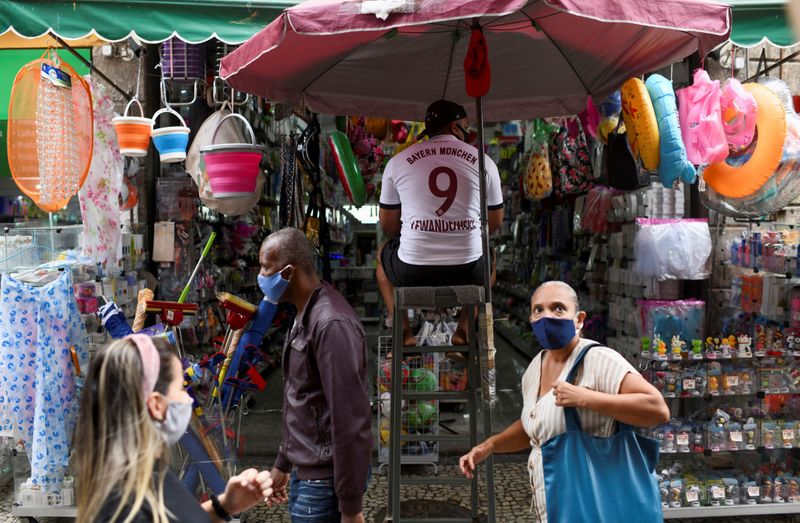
120, 449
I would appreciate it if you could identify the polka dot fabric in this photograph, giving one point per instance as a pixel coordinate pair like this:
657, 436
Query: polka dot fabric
38, 397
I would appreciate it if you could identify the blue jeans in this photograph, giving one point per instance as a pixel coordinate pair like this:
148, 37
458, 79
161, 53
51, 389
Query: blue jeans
314, 500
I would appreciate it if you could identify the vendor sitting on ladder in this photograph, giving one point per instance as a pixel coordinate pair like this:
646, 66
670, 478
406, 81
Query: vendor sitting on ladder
431, 210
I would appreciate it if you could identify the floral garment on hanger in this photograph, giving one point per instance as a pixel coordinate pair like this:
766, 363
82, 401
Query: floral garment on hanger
38, 325
99, 195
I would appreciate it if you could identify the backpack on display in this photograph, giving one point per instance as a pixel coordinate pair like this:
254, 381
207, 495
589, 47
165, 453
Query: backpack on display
570, 164
623, 173
537, 176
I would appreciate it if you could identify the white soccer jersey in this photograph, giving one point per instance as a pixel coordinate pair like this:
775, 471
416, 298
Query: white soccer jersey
435, 184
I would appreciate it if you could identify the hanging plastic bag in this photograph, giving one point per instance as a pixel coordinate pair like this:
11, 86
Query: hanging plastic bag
701, 120
673, 249
537, 177
595, 210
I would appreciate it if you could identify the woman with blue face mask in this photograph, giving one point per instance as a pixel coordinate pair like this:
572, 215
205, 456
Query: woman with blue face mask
133, 408
607, 389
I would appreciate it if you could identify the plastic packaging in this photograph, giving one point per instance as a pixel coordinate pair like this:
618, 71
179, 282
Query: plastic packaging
684, 318
673, 249
595, 209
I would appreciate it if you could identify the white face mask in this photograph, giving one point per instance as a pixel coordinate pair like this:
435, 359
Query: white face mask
179, 414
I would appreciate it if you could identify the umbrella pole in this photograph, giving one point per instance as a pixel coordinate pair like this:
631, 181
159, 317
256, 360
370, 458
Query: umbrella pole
485, 358
487, 257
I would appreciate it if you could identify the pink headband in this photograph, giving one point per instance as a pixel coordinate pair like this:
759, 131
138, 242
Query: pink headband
151, 361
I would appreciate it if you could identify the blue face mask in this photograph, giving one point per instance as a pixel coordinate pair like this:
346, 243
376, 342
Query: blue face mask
554, 333
273, 286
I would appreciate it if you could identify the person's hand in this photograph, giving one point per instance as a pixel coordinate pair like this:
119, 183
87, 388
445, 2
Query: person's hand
246, 490
470, 461
280, 480
354, 518
569, 395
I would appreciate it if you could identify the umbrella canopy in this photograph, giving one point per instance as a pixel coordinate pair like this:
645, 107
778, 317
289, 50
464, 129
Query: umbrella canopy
348, 57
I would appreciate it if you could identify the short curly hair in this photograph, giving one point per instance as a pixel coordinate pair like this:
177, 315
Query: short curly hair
291, 247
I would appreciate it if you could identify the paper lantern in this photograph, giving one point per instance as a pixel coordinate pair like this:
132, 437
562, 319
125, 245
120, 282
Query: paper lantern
50, 131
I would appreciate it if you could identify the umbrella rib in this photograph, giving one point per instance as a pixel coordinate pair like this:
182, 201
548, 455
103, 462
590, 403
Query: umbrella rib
494, 22
561, 52
449, 65
340, 60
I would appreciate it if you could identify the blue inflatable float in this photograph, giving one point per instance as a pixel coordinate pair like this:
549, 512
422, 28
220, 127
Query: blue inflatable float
673, 163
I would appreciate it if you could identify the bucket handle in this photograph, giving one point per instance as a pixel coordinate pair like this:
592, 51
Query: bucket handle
169, 110
246, 126
128, 107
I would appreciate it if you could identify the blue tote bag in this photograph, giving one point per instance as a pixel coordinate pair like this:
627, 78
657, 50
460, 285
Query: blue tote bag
600, 480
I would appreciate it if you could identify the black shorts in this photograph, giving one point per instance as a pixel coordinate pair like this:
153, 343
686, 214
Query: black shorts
403, 274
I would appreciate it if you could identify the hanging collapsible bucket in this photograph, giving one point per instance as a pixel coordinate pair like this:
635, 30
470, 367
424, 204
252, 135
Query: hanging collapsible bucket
233, 168
133, 132
50, 131
170, 142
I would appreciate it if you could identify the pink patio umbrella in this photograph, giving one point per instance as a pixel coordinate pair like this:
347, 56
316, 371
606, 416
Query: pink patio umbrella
393, 57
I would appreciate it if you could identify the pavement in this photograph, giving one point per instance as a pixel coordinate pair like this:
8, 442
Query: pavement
261, 428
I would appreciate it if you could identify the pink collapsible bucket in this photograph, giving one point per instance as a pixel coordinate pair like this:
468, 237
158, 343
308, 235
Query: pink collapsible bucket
233, 168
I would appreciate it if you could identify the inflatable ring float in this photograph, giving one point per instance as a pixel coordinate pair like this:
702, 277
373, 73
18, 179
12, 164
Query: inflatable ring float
737, 181
347, 166
641, 124
673, 163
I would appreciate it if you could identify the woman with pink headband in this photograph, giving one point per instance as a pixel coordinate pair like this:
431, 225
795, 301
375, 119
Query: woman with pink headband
133, 407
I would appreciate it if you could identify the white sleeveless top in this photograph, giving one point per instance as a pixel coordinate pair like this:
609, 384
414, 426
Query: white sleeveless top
603, 370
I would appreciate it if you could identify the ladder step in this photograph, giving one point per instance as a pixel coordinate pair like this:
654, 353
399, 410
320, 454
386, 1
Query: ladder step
436, 348
405, 480
435, 437
414, 395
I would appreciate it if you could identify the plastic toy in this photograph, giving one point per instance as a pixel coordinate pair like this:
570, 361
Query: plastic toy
787, 434
697, 350
743, 348
647, 346
750, 429
739, 111
348, 168
725, 348
752, 493
712, 349
641, 124
421, 414
423, 379
677, 345
673, 163
701, 120
713, 386
661, 348
385, 377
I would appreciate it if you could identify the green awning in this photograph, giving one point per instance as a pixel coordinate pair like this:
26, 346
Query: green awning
152, 21
757, 21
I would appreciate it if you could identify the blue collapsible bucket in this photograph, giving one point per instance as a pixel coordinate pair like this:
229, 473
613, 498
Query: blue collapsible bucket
171, 142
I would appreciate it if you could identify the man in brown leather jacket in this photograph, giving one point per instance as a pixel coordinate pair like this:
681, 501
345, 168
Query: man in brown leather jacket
326, 450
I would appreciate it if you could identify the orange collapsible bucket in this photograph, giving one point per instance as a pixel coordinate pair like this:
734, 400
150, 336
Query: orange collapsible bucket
50, 131
133, 132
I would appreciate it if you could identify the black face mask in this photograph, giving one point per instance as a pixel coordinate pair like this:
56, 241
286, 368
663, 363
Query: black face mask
464, 133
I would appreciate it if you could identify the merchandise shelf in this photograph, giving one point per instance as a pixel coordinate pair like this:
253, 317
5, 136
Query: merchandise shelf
732, 511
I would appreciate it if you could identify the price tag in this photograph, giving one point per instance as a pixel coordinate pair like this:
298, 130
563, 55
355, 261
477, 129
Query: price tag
736, 436
688, 384
754, 492
691, 496
683, 439
788, 434
717, 492
733, 381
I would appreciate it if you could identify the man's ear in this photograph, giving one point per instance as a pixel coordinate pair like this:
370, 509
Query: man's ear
288, 272
581, 317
